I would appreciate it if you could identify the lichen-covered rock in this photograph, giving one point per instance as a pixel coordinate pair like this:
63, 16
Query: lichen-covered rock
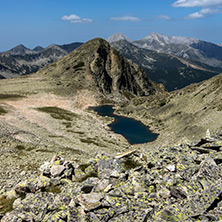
57, 170
90, 201
107, 167
178, 183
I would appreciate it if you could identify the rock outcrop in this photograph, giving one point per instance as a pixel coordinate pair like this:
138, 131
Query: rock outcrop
98, 67
177, 183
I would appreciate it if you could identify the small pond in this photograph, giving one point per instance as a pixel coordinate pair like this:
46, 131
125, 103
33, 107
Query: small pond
134, 131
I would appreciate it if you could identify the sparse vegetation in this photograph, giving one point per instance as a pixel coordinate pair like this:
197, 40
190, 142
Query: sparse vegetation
58, 113
20, 147
2, 111
91, 174
6, 204
131, 164
99, 62
79, 65
10, 96
52, 189
90, 141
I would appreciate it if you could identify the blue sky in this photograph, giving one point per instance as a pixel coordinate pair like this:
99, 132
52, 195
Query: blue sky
45, 22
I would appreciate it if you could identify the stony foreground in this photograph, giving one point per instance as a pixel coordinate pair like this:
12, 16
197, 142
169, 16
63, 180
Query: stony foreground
178, 183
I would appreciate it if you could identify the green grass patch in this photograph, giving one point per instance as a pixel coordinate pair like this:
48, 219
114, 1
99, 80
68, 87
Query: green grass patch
20, 147
30, 167
79, 65
52, 189
67, 124
54, 136
2, 111
128, 95
92, 174
73, 131
83, 167
6, 205
10, 96
58, 113
131, 164
44, 151
90, 141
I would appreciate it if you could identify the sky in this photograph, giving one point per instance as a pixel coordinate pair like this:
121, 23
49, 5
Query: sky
44, 22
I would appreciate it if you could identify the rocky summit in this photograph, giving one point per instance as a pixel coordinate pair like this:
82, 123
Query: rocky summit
174, 183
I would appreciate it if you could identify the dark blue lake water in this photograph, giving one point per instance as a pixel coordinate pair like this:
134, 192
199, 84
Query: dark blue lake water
134, 131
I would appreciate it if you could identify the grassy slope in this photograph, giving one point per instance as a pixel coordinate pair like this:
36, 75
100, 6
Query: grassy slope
184, 113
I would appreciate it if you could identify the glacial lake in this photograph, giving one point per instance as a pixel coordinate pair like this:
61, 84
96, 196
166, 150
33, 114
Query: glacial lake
134, 131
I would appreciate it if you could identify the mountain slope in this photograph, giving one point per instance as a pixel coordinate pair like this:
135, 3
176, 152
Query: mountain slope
46, 111
20, 50
21, 60
117, 37
96, 67
174, 72
188, 112
194, 49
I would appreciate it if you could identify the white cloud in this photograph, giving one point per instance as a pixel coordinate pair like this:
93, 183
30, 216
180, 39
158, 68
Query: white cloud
166, 17
210, 7
195, 15
203, 13
75, 19
197, 3
125, 18
210, 11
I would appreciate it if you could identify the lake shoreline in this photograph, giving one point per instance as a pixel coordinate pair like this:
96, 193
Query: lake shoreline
135, 132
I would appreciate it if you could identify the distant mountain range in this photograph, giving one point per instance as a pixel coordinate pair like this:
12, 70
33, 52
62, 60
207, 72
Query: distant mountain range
205, 52
174, 61
173, 71
189, 48
95, 67
22, 61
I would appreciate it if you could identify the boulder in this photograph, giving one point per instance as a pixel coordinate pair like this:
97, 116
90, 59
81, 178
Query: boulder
90, 201
57, 170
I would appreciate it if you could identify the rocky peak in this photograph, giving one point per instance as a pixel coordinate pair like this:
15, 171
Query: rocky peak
20, 49
54, 47
38, 49
117, 37
168, 39
107, 71
153, 35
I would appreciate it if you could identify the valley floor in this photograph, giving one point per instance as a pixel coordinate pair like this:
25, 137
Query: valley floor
34, 128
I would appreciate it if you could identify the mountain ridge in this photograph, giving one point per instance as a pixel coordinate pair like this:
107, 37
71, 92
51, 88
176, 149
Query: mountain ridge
117, 37
172, 71
22, 61
194, 49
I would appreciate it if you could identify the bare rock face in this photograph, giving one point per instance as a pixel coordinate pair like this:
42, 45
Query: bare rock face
98, 67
